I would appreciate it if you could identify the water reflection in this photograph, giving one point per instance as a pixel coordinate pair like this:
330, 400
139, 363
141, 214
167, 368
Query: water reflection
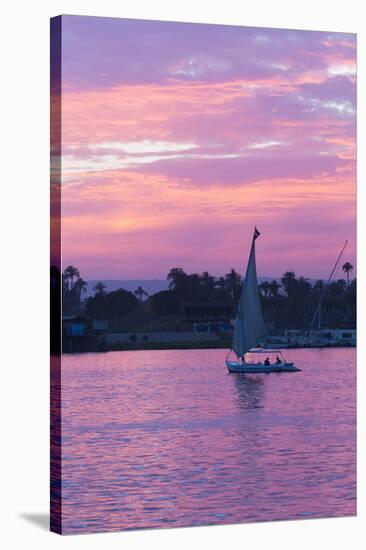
158, 438
250, 390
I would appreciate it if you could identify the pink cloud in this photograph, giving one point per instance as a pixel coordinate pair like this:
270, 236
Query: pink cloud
172, 151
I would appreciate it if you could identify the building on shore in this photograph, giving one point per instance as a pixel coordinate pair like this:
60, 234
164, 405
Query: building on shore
73, 332
206, 316
325, 337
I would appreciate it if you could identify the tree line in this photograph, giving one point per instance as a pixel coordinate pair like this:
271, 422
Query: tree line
289, 302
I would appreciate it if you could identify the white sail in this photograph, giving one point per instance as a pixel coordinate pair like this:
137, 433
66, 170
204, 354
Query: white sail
249, 324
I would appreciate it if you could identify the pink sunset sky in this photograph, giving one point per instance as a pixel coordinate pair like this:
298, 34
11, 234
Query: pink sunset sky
177, 139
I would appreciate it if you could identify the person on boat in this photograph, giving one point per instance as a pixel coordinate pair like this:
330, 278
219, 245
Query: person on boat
278, 360
267, 362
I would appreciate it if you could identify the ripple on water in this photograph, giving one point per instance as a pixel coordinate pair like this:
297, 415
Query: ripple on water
159, 438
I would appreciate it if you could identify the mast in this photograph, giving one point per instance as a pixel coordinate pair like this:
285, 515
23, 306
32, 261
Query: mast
317, 312
320, 312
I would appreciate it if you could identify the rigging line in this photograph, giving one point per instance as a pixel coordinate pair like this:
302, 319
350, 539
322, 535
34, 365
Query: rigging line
325, 287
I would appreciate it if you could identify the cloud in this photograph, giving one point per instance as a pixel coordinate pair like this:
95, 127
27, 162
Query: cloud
125, 51
265, 144
184, 136
347, 69
243, 170
340, 88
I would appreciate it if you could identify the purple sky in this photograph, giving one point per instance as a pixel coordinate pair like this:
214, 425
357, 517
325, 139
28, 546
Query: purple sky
179, 138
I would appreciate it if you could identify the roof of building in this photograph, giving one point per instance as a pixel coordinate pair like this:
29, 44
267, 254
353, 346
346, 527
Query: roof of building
73, 318
216, 303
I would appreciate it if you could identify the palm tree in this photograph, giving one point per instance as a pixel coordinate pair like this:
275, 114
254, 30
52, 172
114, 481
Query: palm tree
175, 276
319, 286
71, 273
274, 287
265, 288
206, 276
233, 282
288, 281
80, 287
81, 284
100, 288
207, 280
303, 287
140, 292
347, 268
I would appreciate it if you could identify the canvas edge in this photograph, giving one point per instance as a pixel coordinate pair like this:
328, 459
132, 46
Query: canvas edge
55, 275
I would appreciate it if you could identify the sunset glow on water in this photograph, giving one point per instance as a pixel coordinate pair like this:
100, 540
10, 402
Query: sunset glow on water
169, 438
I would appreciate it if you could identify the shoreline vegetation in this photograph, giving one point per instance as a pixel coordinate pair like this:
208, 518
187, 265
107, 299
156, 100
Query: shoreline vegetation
196, 312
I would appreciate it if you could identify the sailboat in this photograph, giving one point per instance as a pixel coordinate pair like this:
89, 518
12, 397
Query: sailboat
250, 329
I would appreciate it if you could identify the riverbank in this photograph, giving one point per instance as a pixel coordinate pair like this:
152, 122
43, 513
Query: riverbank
87, 346
146, 341
186, 340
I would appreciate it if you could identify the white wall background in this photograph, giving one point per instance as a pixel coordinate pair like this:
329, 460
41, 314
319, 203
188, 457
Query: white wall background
24, 230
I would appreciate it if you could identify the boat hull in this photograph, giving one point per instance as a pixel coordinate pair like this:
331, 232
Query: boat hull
253, 368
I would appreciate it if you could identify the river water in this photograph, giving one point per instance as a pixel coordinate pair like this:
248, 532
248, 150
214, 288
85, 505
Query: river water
170, 438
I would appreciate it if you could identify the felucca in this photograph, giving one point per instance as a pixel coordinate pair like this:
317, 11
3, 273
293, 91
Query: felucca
250, 329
